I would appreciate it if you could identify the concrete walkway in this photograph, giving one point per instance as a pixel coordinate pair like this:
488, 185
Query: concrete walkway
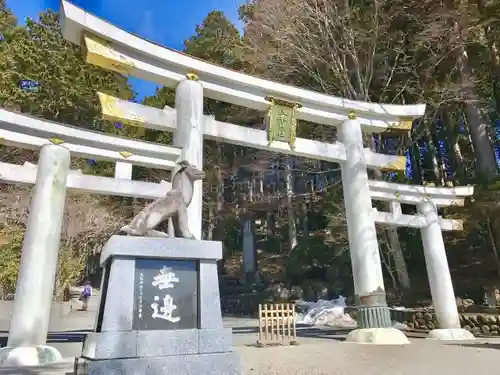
321, 356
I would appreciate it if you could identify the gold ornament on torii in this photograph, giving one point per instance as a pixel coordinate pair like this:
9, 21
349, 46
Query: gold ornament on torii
282, 121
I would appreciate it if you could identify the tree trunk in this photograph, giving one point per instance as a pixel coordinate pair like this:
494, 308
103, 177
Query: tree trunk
211, 224
438, 175
387, 262
398, 257
292, 228
393, 242
493, 56
305, 221
478, 125
493, 241
457, 158
417, 177
219, 221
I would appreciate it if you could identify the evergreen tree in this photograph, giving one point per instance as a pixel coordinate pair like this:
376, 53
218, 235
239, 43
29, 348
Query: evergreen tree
46, 76
217, 40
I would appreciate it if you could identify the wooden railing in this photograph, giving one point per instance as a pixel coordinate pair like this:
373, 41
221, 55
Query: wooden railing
277, 324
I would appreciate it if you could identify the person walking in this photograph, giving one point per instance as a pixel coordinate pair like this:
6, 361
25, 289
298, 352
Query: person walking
86, 294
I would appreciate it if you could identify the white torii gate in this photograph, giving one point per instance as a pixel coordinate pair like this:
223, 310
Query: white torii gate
112, 48
431, 225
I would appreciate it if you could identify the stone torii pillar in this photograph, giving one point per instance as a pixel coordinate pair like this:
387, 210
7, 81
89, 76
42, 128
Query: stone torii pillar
29, 323
431, 226
373, 317
189, 136
440, 283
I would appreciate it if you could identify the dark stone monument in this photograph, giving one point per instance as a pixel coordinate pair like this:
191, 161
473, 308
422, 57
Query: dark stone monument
170, 282
159, 311
248, 239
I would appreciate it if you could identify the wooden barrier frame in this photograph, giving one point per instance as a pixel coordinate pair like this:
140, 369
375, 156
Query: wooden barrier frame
277, 324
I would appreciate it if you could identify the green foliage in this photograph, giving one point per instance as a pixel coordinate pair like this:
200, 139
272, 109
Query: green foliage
217, 41
164, 96
63, 89
232, 235
67, 86
10, 255
8, 21
245, 12
71, 263
311, 253
71, 267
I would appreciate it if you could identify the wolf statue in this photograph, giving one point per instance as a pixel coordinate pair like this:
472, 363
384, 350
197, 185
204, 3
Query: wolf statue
172, 207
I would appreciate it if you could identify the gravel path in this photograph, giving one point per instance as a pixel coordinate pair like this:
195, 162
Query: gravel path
320, 353
329, 357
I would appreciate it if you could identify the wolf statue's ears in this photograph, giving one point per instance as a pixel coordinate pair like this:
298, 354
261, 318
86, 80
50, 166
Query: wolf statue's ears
184, 163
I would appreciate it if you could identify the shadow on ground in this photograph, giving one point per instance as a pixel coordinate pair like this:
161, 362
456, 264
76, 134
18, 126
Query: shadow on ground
322, 332
55, 369
54, 337
303, 331
481, 345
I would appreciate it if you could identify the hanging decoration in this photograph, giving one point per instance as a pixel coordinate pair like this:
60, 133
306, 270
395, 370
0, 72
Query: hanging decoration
125, 154
282, 121
56, 141
28, 85
409, 165
497, 141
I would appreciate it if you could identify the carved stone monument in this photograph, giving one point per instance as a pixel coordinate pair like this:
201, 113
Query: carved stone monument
250, 261
159, 311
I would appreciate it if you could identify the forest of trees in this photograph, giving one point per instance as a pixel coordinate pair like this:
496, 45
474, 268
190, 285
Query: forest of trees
444, 54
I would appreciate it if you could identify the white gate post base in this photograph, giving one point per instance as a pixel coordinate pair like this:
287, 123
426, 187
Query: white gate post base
27, 356
451, 334
377, 336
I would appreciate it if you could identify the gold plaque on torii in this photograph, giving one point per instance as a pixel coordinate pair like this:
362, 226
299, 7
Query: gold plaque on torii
282, 121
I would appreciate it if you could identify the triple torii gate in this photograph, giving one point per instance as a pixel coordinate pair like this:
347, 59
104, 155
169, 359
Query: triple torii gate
112, 48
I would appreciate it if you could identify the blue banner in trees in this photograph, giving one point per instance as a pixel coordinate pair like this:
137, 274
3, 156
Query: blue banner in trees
29, 85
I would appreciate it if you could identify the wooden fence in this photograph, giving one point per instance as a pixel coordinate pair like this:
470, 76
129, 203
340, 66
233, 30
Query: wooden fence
277, 324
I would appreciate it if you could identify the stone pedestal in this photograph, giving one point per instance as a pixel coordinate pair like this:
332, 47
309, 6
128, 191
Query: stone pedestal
159, 311
451, 334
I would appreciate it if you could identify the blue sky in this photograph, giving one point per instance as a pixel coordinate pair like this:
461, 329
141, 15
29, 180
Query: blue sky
169, 23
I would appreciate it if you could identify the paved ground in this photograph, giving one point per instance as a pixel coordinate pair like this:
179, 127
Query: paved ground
321, 352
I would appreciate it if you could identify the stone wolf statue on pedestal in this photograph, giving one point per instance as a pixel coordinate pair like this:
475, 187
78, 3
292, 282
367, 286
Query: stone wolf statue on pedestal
172, 207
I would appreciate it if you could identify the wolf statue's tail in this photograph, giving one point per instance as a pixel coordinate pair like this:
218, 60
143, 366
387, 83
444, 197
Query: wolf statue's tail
171, 228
